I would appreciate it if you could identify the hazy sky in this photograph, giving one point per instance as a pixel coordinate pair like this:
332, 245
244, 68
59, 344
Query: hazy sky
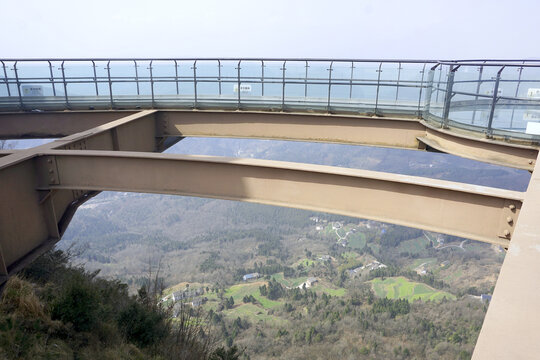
406, 29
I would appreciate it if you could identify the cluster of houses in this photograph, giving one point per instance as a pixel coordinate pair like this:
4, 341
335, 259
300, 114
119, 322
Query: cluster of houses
251, 276
374, 265
193, 294
308, 283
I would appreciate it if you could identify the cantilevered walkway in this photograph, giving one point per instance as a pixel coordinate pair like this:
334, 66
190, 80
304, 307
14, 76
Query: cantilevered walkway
113, 117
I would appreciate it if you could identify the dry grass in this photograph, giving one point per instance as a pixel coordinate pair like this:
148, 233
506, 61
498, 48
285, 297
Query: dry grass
19, 298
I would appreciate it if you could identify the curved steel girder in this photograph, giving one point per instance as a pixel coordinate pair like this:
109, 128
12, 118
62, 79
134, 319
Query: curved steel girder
402, 132
470, 211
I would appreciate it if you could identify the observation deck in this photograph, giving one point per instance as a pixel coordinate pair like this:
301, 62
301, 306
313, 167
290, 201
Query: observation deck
112, 117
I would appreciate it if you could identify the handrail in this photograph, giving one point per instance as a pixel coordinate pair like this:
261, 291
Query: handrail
458, 97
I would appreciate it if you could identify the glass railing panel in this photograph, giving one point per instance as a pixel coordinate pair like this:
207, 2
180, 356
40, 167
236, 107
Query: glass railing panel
438, 91
388, 89
364, 88
208, 80
273, 81
249, 91
164, 80
518, 108
340, 91
129, 82
8, 86
318, 78
80, 81
296, 82
229, 80
412, 86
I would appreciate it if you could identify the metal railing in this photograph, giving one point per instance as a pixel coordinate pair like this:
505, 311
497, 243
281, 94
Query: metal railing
499, 98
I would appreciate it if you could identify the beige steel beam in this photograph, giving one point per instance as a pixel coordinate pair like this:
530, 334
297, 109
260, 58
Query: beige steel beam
476, 212
32, 125
477, 147
394, 132
511, 327
313, 127
32, 220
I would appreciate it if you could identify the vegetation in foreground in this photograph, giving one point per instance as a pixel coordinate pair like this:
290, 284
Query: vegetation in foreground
58, 311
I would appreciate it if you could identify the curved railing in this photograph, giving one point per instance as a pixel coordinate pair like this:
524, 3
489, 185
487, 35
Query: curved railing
498, 98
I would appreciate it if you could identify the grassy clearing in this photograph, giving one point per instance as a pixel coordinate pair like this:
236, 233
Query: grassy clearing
255, 314
357, 240
306, 263
333, 292
239, 291
289, 282
417, 262
414, 246
402, 288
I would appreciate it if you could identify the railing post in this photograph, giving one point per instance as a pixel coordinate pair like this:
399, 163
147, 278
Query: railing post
489, 133
6, 78
429, 89
352, 77
262, 78
95, 77
195, 83
480, 71
219, 76
305, 80
65, 83
238, 69
110, 83
150, 67
18, 85
52, 77
421, 89
398, 78
439, 83
283, 87
516, 95
329, 85
137, 76
175, 77
378, 85
449, 95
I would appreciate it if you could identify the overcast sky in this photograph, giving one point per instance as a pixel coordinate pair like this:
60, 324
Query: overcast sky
407, 29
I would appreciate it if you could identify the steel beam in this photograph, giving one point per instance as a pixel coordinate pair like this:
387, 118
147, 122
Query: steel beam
37, 125
481, 149
31, 220
388, 132
408, 133
475, 212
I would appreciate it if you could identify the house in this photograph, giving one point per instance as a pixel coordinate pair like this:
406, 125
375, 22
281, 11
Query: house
325, 258
310, 281
485, 297
251, 276
177, 296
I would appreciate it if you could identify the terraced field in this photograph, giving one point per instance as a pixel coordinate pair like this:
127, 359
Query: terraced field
402, 288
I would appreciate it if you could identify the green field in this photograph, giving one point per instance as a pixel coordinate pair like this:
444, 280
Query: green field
254, 313
430, 262
357, 240
239, 291
306, 263
402, 288
333, 292
289, 282
413, 246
